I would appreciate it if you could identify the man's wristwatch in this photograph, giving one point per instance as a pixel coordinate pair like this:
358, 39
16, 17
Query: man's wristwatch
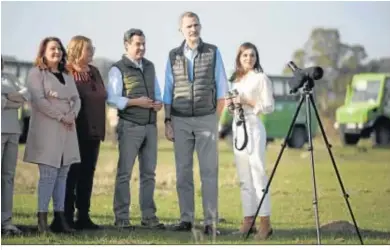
167, 120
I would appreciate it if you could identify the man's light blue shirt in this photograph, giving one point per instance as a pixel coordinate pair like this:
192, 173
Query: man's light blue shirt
115, 88
220, 75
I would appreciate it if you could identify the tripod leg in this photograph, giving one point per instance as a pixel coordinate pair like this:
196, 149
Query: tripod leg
328, 146
265, 191
315, 200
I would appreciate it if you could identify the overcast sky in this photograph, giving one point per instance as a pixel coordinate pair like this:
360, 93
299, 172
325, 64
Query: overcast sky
277, 28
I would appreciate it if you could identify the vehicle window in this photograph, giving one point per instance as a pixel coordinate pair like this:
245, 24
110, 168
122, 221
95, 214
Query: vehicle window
9, 78
10, 69
386, 104
287, 88
279, 87
365, 91
388, 84
23, 75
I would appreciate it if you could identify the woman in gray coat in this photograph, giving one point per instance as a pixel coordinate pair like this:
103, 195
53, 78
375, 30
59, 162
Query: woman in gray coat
52, 139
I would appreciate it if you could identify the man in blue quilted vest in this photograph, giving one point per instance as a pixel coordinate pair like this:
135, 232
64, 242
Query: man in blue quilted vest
195, 86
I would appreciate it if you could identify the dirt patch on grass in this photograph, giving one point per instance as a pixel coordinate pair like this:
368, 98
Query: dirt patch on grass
339, 227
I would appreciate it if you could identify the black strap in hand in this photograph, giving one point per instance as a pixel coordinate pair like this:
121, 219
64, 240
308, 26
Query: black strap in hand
239, 123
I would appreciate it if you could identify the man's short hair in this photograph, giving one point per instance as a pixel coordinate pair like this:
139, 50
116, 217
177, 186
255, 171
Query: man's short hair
132, 32
188, 14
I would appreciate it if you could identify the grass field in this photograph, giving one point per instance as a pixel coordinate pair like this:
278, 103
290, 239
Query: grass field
365, 174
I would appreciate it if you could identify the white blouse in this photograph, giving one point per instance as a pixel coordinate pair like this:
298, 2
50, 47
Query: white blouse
257, 87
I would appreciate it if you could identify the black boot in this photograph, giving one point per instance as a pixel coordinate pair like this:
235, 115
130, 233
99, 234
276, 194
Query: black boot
85, 222
70, 220
59, 224
42, 222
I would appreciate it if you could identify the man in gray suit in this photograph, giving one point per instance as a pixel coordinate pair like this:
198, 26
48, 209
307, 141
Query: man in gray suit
134, 90
195, 86
12, 97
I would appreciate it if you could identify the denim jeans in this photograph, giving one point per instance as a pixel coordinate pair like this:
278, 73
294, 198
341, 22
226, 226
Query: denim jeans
52, 183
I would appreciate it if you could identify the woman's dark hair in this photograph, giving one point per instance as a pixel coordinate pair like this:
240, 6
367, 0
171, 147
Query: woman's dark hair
239, 71
40, 60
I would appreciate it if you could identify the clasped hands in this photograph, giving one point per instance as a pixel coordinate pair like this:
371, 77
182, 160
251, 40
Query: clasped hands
69, 119
146, 102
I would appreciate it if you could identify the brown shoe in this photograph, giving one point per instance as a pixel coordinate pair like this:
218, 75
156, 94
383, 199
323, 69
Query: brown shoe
246, 226
265, 230
42, 222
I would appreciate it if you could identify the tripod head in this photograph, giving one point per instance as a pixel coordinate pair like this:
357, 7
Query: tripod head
304, 77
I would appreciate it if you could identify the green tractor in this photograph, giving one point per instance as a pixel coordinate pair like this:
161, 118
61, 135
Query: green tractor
366, 111
278, 122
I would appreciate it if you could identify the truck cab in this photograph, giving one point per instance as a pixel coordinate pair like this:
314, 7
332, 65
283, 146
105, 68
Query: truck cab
278, 122
366, 110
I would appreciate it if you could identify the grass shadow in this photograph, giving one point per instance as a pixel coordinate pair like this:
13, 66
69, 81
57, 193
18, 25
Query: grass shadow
154, 236
100, 217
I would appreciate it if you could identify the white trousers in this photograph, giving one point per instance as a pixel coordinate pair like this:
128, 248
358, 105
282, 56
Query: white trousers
250, 164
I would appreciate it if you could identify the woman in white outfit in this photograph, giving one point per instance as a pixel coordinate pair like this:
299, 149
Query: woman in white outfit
256, 97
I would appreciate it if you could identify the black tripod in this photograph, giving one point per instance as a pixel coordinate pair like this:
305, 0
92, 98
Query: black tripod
308, 97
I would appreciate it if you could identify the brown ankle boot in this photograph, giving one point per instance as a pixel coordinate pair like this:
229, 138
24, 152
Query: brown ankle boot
245, 226
265, 230
42, 222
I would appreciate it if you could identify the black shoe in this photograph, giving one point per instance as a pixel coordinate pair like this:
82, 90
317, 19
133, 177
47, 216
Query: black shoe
70, 220
60, 225
86, 223
124, 225
209, 230
71, 224
183, 226
152, 223
11, 230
